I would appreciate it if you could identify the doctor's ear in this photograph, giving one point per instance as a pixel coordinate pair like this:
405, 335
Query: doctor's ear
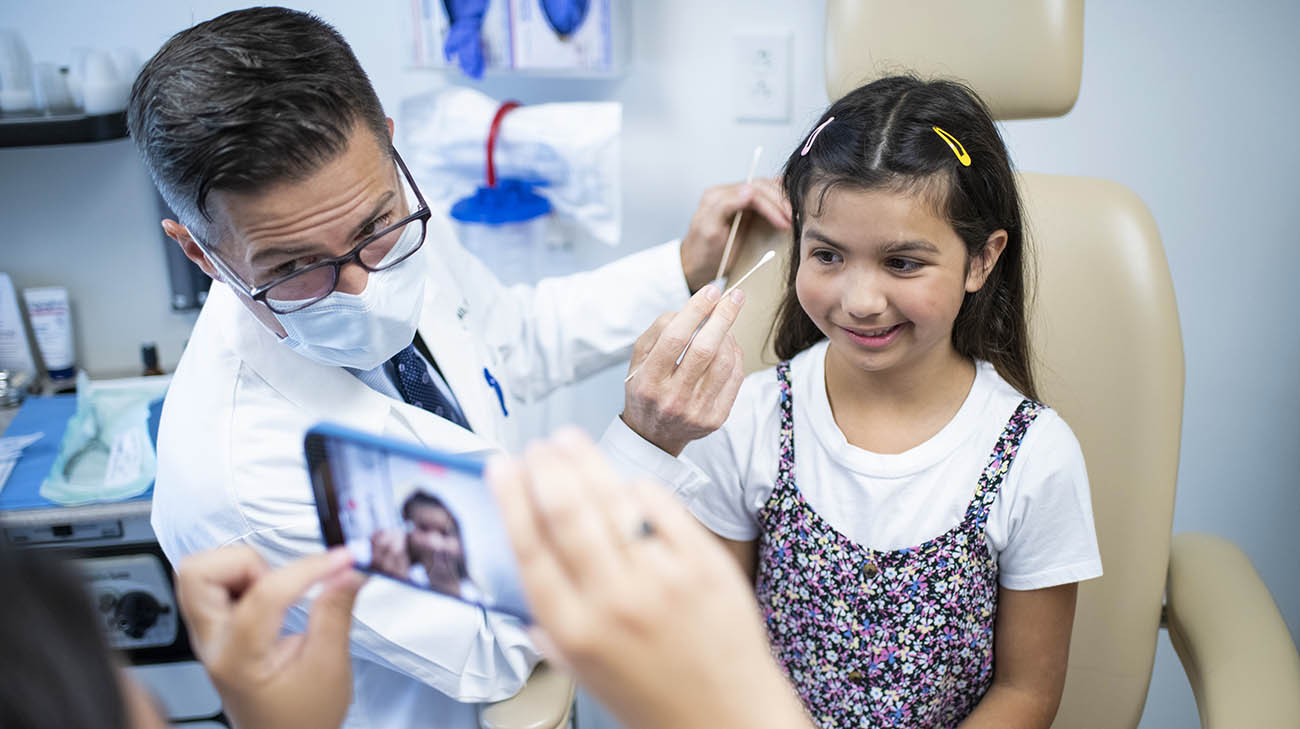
181, 235
389, 121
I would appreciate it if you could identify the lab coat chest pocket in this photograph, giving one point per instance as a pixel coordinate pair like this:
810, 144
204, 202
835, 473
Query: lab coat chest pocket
465, 298
448, 329
491, 383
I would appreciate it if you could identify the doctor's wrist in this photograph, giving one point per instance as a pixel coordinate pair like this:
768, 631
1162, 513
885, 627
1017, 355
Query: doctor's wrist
697, 276
665, 442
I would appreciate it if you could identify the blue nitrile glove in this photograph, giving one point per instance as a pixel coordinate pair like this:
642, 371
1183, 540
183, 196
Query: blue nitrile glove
565, 16
464, 37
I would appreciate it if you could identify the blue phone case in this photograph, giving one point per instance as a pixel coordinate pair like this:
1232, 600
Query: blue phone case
460, 462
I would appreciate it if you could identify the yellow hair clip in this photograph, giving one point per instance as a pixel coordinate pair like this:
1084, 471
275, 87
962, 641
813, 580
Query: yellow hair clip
956, 147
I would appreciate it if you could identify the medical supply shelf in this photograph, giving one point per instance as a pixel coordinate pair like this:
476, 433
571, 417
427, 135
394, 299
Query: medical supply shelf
32, 130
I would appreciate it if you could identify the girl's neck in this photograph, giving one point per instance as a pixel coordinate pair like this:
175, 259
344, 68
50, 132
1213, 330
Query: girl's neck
897, 409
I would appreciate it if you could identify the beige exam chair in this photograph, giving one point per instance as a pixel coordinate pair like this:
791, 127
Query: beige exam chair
1108, 355
545, 702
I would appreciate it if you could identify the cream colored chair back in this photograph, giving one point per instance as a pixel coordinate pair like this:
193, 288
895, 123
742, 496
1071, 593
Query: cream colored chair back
1024, 57
1109, 358
1104, 327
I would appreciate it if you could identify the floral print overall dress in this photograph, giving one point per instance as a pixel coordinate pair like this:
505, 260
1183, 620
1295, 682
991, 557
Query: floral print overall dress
902, 638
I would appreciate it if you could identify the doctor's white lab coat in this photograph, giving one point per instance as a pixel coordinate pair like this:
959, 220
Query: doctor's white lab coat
231, 466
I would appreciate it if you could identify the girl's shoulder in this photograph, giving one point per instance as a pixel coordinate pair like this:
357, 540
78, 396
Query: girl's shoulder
1048, 440
760, 393
759, 397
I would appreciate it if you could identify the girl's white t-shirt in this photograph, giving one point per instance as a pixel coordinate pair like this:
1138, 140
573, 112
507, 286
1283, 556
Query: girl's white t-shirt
1040, 527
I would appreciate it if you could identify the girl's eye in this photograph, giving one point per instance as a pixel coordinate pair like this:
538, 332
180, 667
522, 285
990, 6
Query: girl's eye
825, 256
903, 265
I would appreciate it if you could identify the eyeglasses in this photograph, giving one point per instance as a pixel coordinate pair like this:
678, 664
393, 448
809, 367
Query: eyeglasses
306, 286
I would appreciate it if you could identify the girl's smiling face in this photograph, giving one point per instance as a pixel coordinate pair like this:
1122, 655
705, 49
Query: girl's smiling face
883, 276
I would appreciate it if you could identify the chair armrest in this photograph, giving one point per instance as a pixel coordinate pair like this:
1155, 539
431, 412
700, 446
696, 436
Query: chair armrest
545, 702
1230, 637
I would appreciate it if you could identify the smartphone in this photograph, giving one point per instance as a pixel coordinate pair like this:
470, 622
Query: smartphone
415, 515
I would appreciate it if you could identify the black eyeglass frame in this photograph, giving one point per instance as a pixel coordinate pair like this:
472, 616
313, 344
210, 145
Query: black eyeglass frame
259, 293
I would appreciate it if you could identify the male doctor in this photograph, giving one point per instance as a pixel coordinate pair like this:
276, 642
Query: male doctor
341, 296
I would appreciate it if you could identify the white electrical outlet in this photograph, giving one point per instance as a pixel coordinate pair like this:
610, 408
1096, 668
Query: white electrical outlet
761, 65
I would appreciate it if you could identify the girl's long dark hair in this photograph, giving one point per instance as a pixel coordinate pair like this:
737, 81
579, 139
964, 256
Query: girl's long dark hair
883, 137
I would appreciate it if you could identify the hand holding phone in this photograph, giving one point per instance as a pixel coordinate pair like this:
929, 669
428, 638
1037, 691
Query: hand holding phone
234, 605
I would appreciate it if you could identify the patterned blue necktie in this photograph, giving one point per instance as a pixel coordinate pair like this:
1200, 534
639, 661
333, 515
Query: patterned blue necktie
417, 388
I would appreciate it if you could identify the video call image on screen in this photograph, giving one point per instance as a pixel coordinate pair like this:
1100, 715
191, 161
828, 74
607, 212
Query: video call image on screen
425, 524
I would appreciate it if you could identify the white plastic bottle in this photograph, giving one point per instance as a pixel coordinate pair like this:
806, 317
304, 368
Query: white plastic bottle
51, 318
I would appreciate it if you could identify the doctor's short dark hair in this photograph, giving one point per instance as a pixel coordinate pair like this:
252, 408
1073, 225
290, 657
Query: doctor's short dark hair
883, 138
247, 100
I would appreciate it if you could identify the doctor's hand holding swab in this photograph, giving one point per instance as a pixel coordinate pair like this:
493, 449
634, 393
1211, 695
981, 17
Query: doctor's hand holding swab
764, 259
721, 210
686, 370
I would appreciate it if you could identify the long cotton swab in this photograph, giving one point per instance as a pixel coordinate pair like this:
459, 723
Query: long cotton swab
735, 220
766, 257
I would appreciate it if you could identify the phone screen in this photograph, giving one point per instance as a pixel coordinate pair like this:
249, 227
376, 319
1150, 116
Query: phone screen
421, 517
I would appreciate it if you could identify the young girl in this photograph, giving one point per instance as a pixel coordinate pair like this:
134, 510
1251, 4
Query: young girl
916, 555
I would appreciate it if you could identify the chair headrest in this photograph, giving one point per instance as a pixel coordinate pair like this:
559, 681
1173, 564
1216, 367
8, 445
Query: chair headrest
1024, 57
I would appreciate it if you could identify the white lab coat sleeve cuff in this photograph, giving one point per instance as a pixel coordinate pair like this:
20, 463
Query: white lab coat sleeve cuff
635, 458
665, 263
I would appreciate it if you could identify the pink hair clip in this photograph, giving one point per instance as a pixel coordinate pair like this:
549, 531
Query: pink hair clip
812, 137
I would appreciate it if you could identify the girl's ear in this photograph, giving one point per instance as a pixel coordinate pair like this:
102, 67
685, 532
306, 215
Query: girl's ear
982, 264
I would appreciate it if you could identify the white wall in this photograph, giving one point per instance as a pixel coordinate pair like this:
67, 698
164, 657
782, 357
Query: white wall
1192, 104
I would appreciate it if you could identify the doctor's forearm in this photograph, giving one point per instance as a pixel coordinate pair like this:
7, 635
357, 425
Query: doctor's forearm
565, 329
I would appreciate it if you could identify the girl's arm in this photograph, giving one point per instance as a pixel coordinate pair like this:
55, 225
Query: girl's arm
746, 554
1031, 644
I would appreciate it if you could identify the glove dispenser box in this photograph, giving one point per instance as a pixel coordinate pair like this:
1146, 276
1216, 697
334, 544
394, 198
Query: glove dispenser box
564, 38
